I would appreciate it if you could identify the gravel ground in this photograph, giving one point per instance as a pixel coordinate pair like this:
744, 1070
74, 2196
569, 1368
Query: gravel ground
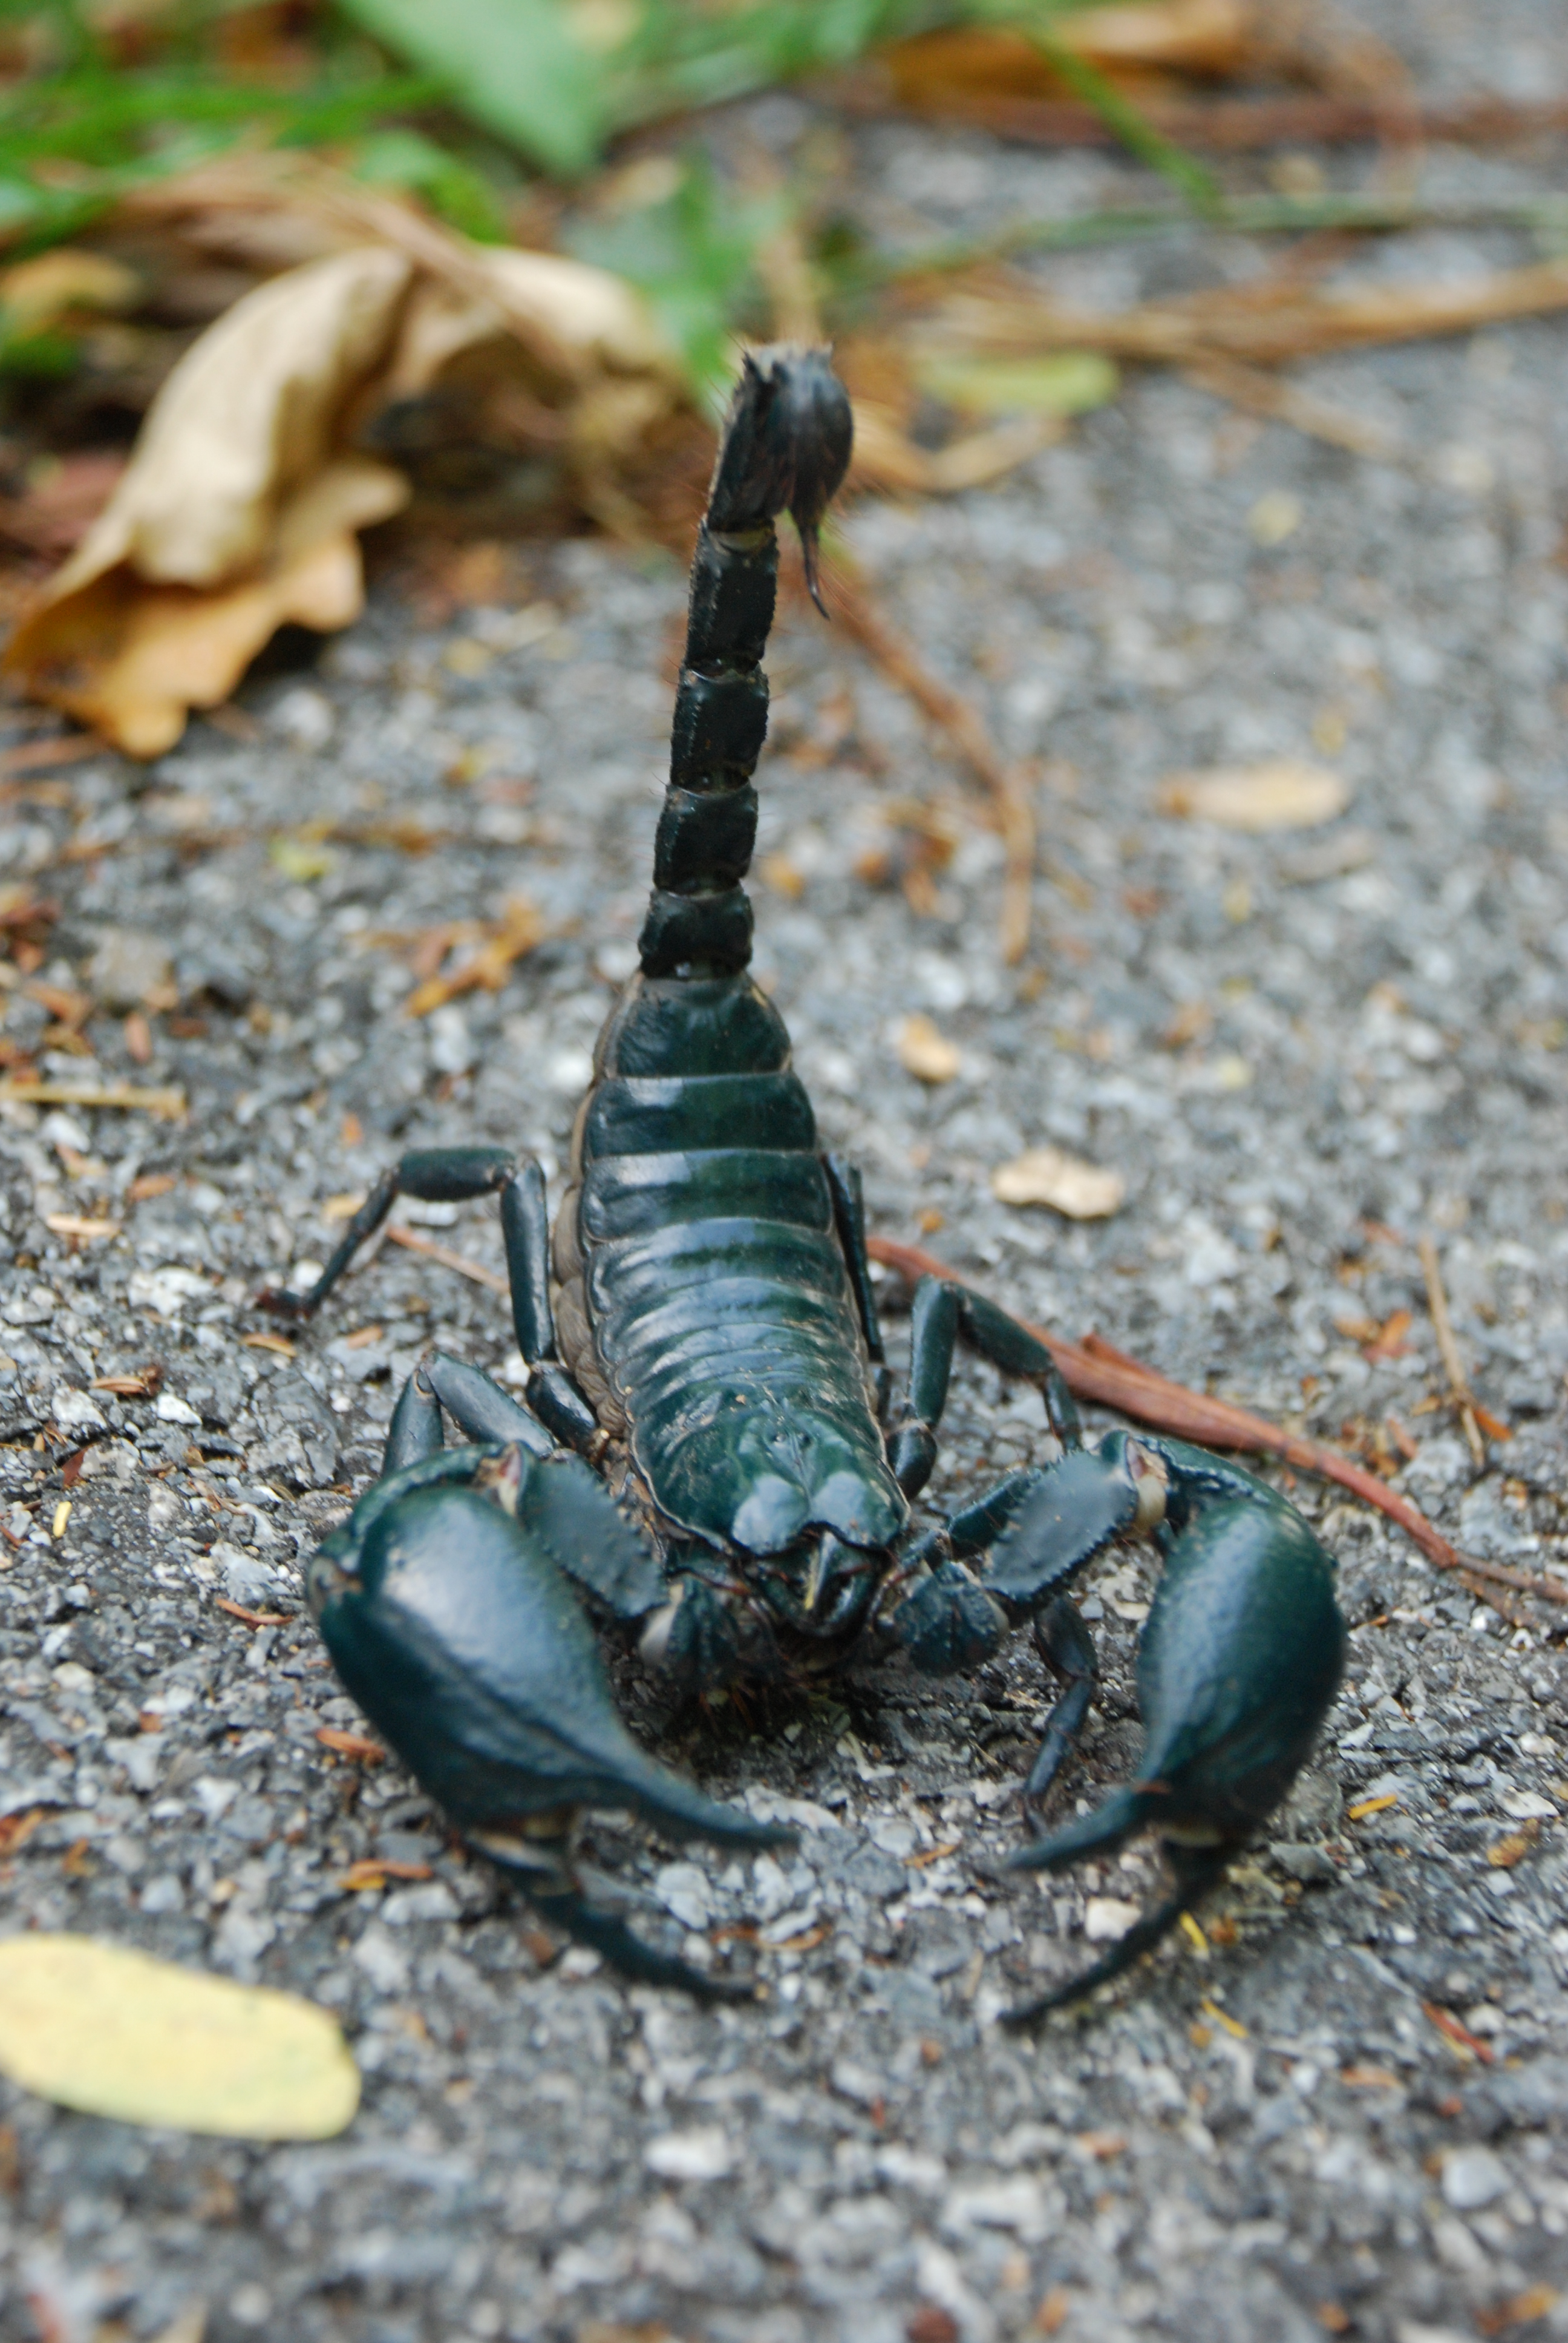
1303, 1051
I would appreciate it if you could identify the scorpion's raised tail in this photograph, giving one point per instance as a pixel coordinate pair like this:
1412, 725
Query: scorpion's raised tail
785, 448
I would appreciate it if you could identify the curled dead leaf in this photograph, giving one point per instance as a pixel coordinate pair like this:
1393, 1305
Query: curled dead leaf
37, 293
113, 2032
1045, 1175
241, 507
1282, 793
925, 1052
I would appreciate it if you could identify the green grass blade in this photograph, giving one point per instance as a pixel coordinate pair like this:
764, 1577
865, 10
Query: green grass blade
1119, 113
514, 66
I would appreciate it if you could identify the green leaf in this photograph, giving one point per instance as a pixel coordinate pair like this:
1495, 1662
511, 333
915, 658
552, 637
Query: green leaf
1119, 113
301, 859
1069, 382
513, 65
404, 158
47, 357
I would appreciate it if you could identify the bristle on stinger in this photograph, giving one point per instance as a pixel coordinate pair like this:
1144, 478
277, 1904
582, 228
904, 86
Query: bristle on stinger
786, 447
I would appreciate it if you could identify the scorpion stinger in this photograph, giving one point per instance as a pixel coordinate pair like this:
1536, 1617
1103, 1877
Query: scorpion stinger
700, 1328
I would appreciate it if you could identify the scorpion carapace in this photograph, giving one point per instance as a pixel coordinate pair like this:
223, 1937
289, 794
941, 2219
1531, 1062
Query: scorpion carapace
710, 1453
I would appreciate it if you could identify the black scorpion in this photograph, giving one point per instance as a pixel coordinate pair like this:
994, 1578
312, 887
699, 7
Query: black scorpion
709, 1452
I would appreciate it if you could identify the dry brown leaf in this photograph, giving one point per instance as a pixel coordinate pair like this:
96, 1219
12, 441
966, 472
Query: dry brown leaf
1282, 793
37, 293
241, 507
925, 1052
234, 514
1211, 37
520, 926
1045, 1175
114, 2032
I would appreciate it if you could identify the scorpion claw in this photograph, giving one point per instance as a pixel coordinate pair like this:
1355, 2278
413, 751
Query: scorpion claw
1196, 1872
451, 1621
628, 1954
1238, 1667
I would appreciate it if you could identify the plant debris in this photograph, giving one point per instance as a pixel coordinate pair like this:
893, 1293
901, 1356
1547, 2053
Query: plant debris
1045, 1175
114, 2032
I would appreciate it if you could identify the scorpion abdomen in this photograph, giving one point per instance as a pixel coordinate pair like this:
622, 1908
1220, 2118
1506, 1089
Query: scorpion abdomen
704, 1249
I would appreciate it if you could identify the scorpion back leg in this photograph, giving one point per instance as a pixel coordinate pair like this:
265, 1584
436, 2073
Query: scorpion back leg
450, 1175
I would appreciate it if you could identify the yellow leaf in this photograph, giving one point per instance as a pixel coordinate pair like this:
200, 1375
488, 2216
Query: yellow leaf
1274, 517
1067, 382
301, 858
1283, 793
113, 2032
37, 293
1081, 1191
926, 1053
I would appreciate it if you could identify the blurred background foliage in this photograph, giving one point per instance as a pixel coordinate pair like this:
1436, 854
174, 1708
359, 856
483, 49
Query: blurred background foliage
486, 113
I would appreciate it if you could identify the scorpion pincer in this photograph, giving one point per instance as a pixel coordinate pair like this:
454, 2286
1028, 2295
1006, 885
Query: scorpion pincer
709, 1452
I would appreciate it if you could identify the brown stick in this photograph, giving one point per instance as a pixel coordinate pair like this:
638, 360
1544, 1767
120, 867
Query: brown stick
1448, 1350
955, 716
1263, 326
1095, 1370
445, 1258
1260, 393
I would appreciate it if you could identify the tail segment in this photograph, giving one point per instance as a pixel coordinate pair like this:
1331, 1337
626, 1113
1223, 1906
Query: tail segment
786, 445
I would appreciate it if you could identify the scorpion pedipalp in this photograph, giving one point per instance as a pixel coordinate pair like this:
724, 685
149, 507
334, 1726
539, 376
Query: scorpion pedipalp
454, 1627
1239, 1663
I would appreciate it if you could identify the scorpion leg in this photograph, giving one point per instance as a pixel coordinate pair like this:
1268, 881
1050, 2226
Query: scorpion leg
435, 1175
450, 1175
553, 1394
442, 1602
849, 1218
1064, 1641
933, 1330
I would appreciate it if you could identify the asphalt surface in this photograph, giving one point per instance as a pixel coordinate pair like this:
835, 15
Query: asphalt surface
1303, 1051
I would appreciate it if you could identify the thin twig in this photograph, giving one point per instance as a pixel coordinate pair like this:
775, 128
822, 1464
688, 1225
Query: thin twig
445, 1258
168, 1104
1095, 1370
958, 718
1459, 1388
1259, 392
1259, 324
